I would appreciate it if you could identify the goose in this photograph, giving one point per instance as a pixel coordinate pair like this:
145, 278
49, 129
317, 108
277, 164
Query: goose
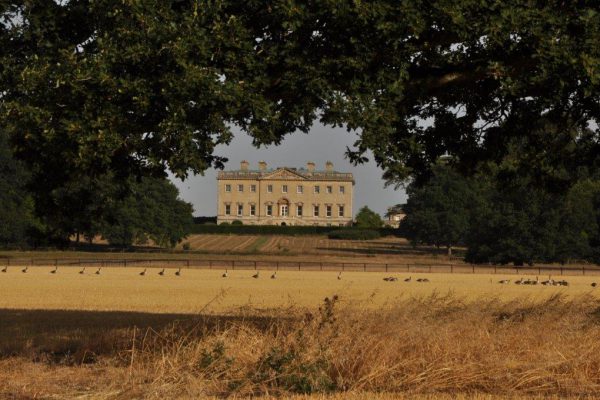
5, 268
54, 270
424, 280
387, 278
178, 272
143, 272
255, 276
563, 283
98, 271
82, 271
594, 284
537, 280
274, 276
162, 272
225, 274
392, 279
519, 281
339, 276
504, 281
24, 270
548, 282
408, 279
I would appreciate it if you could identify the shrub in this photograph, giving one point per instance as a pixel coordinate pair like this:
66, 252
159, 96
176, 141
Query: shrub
237, 222
225, 228
354, 234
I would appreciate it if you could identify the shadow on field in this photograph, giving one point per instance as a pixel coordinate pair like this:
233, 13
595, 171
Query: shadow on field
76, 337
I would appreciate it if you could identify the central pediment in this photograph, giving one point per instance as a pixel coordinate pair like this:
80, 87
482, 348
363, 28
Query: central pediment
284, 174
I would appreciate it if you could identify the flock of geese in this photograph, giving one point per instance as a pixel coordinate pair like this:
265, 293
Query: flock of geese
536, 281
256, 275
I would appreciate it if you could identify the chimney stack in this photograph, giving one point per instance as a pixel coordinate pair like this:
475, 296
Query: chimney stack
262, 166
310, 166
244, 165
329, 166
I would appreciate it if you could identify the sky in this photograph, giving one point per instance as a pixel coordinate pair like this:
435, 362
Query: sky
321, 144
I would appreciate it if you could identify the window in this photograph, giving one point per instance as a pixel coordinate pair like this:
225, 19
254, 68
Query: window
240, 209
328, 211
252, 209
269, 210
253, 188
284, 188
316, 210
317, 189
299, 210
227, 209
342, 189
270, 188
329, 189
341, 211
228, 188
240, 188
284, 210
300, 189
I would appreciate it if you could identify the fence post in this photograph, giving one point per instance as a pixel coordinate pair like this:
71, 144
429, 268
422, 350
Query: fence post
233, 265
255, 265
451, 268
561, 270
539, 270
321, 266
277, 265
386, 268
125, 263
495, 269
430, 268
473, 266
583, 271
188, 264
365, 267
407, 267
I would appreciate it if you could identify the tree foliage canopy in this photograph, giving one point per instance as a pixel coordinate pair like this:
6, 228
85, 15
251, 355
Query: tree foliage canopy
141, 86
367, 218
438, 213
152, 211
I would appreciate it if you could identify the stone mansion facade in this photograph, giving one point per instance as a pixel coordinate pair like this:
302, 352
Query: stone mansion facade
285, 196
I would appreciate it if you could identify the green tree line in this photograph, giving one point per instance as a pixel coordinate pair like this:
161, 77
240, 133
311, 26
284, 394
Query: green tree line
145, 209
503, 220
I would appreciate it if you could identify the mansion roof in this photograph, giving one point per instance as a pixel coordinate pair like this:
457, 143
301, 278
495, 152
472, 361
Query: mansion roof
286, 173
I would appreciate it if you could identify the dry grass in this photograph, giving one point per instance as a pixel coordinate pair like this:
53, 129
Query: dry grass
429, 347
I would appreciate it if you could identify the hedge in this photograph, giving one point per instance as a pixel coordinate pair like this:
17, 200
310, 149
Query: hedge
354, 234
277, 230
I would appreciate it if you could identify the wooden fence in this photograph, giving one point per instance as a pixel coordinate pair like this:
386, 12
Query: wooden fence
306, 266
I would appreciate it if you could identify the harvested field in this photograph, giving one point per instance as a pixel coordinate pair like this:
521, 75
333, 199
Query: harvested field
198, 291
317, 245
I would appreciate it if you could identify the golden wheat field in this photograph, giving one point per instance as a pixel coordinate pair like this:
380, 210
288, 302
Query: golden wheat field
302, 335
196, 290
